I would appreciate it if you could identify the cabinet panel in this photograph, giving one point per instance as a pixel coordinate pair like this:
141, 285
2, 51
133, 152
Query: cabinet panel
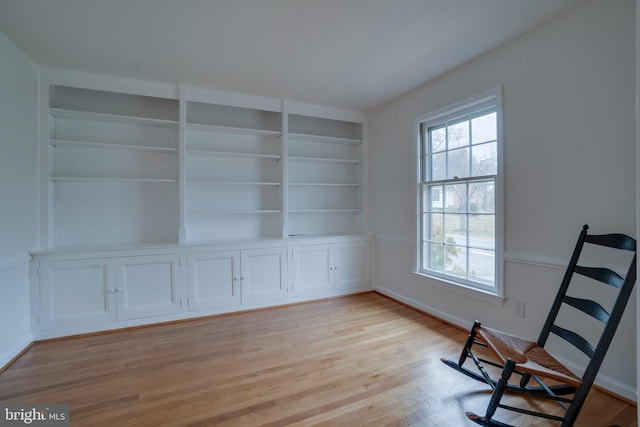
148, 286
264, 274
213, 280
351, 266
312, 269
76, 292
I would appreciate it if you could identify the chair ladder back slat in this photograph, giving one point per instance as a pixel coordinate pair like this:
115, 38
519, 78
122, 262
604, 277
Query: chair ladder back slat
590, 307
575, 339
610, 329
562, 291
604, 275
616, 240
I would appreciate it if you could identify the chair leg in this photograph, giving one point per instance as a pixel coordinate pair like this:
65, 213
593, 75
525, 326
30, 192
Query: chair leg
501, 386
470, 340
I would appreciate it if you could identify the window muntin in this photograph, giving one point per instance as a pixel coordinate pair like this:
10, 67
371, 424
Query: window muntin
459, 171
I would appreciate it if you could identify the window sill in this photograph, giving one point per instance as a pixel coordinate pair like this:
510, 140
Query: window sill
480, 294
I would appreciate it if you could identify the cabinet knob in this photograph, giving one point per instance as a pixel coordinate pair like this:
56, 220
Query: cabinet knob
241, 277
235, 279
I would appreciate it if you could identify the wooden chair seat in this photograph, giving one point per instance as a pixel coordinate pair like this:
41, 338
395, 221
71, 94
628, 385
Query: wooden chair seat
529, 357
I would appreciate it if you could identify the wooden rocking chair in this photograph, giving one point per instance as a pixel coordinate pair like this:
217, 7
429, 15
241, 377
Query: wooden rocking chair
530, 360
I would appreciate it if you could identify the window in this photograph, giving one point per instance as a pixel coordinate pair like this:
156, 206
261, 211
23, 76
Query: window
459, 193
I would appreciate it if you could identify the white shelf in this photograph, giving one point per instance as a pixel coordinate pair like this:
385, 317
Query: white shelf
109, 146
324, 210
212, 212
323, 138
324, 159
113, 118
232, 130
324, 184
211, 182
212, 153
106, 180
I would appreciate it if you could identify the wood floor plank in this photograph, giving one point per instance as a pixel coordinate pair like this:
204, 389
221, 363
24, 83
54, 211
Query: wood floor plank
360, 360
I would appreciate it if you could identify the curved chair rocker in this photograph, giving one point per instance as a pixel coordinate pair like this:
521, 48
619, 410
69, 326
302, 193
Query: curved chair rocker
530, 360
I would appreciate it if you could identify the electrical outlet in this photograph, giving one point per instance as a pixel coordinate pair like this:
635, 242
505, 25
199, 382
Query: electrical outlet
518, 308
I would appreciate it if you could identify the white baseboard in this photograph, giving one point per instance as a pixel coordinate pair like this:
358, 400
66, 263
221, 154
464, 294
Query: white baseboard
602, 381
9, 355
423, 307
14, 307
605, 382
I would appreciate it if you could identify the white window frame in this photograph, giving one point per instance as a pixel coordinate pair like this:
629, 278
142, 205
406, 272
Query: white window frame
495, 293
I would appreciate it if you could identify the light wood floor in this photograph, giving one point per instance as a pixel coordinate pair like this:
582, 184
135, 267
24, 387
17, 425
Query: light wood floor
358, 360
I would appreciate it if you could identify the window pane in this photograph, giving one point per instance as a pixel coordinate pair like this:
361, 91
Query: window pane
432, 229
456, 261
458, 163
482, 197
456, 197
483, 128
484, 159
482, 266
482, 231
455, 229
438, 139
458, 134
438, 166
433, 198
433, 256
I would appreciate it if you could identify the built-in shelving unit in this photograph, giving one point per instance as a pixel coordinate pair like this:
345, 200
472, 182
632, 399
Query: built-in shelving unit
131, 164
113, 168
162, 202
233, 173
325, 176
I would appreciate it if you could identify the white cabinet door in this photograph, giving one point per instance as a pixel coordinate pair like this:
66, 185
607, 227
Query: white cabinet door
148, 286
76, 292
350, 264
313, 271
214, 279
263, 274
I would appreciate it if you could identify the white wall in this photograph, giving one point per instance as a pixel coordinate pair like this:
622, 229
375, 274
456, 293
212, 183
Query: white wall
18, 194
569, 147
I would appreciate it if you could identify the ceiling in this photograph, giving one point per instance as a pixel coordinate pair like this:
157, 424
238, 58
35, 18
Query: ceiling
353, 54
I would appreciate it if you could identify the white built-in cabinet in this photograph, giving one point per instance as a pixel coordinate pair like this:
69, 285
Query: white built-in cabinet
161, 202
264, 274
75, 292
323, 268
226, 278
148, 286
81, 292
214, 279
